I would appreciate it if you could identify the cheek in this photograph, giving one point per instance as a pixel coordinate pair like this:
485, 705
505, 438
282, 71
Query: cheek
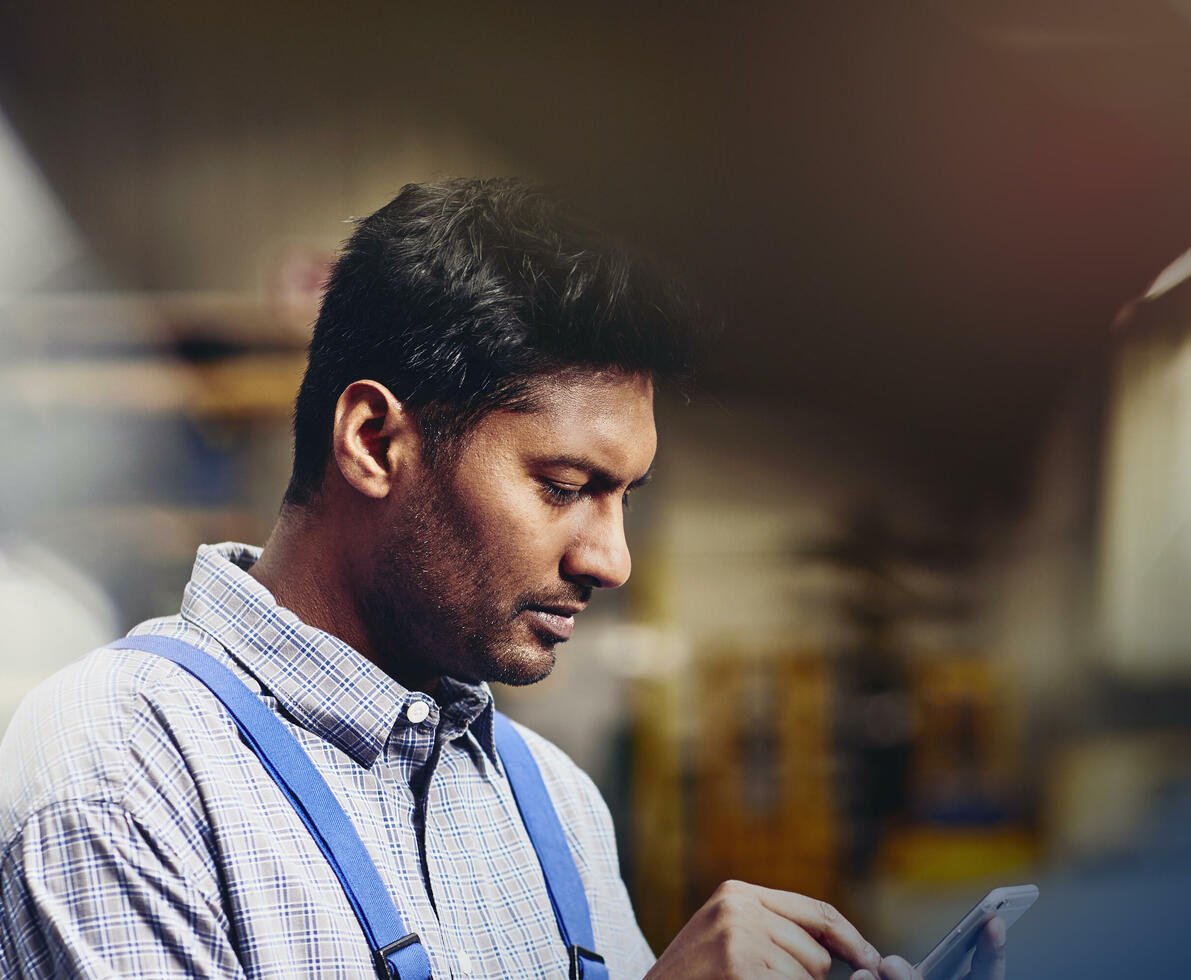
524, 532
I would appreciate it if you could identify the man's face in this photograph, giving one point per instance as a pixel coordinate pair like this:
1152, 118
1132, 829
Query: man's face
486, 561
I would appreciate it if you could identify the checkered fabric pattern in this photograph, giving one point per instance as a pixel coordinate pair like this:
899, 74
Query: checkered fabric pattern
139, 837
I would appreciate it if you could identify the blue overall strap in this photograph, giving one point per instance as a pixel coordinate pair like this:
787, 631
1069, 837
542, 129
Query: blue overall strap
550, 842
396, 954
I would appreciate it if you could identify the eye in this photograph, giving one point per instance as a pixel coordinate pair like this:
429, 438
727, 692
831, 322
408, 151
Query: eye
560, 496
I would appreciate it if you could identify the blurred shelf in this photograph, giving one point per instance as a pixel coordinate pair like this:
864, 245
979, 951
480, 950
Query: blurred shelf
51, 323
241, 385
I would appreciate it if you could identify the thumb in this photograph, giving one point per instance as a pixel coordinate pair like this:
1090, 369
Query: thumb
988, 963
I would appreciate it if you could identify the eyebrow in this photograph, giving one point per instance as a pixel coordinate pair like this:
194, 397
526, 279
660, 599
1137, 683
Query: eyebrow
598, 473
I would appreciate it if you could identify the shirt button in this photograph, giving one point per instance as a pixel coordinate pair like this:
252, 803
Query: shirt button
417, 712
465, 964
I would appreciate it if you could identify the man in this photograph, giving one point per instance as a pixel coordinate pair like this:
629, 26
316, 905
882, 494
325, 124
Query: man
477, 408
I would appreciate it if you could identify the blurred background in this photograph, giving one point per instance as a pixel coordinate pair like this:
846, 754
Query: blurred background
908, 615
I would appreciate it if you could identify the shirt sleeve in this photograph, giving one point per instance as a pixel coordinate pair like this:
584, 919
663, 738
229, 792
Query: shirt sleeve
86, 892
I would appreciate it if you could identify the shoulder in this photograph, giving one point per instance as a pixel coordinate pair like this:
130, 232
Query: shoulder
97, 732
558, 769
592, 840
578, 801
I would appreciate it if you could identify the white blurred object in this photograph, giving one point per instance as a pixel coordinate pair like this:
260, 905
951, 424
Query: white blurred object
1101, 790
50, 614
1171, 276
39, 239
1145, 566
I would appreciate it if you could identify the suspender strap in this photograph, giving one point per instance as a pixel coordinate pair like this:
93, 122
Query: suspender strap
545, 831
397, 955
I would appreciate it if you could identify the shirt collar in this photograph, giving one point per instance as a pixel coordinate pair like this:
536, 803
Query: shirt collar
327, 686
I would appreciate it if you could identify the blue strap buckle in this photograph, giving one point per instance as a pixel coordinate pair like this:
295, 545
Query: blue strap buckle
384, 968
577, 951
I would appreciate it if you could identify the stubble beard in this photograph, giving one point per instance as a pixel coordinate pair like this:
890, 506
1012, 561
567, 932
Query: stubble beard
431, 604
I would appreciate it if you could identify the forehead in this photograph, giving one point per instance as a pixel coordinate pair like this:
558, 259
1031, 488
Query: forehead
607, 416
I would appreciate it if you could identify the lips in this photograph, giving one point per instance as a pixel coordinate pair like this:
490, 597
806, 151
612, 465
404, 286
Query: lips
558, 622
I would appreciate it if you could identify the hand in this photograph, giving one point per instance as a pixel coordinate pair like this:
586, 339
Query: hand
746, 931
988, 963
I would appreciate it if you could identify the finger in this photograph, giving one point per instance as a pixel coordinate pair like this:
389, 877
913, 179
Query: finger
988, 963
863, 975
798, 943
896, 968
825, 924
783, 971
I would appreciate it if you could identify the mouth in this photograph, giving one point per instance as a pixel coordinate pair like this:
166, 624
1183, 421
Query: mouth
557, 621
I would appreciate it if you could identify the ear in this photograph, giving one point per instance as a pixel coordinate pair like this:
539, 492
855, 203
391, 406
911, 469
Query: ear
373, 438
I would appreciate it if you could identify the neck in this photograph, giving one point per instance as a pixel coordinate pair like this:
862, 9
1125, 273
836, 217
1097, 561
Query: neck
302, 565
308, 568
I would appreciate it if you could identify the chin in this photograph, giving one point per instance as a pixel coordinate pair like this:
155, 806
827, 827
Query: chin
522, 666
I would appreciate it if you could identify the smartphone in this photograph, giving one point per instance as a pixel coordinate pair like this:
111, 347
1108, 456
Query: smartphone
952, 957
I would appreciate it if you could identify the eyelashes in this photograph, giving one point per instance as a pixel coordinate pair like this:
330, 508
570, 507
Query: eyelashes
560, 496
565, 497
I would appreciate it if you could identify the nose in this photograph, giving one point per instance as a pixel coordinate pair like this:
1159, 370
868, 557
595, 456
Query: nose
598, 554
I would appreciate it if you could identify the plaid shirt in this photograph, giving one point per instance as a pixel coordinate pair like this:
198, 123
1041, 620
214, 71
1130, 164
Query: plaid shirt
141, 838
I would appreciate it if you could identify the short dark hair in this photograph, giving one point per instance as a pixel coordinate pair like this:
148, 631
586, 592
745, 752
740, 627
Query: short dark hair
456, 295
